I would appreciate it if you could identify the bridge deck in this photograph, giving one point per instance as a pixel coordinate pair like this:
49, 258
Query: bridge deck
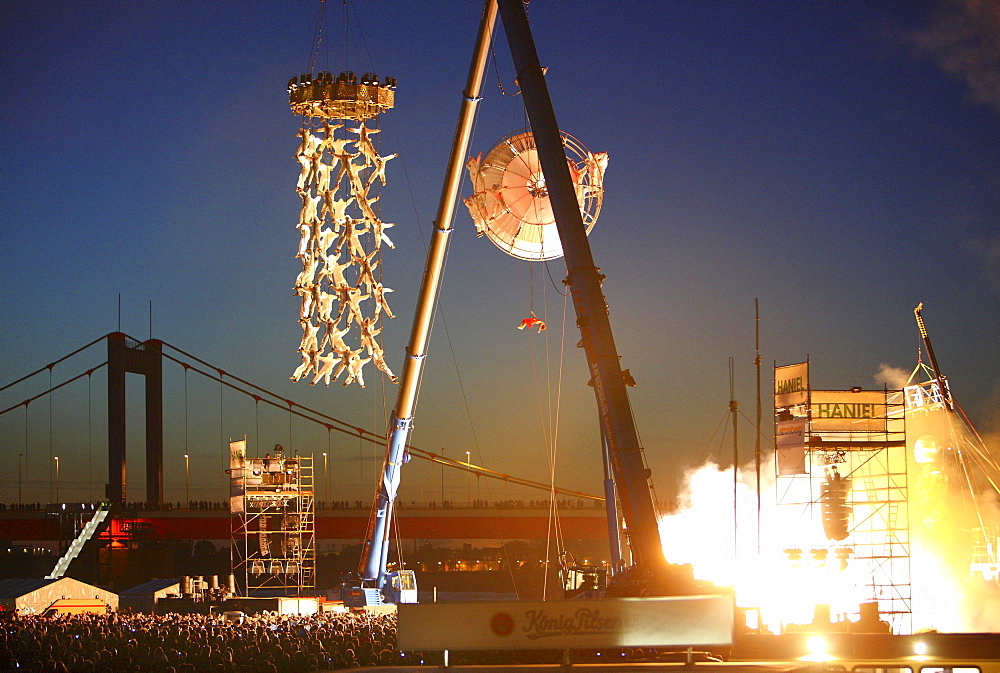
345, 524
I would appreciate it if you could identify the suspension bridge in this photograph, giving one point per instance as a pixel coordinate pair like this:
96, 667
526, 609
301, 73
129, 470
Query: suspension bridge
72, 430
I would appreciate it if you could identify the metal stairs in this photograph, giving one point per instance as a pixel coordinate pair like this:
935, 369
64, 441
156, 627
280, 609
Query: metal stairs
86, 533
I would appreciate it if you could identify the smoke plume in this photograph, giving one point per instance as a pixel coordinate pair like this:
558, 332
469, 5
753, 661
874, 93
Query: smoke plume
893, 377
964, 42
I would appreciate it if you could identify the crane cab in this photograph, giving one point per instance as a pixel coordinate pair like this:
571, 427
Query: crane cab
401, 587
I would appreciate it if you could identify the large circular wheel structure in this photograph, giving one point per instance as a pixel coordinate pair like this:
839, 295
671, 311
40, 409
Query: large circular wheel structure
511, 204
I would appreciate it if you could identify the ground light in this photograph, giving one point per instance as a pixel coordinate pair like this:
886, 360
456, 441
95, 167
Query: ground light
818, 650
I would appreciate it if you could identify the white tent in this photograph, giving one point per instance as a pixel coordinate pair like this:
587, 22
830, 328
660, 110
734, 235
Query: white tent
144, 597
27, 596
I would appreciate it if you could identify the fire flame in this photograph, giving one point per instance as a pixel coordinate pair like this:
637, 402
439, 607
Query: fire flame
780, 562
784, 573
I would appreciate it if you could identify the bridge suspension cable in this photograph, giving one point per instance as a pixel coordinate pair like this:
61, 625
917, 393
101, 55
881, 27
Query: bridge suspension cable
53, 364
365, 435
53, 388
306, 413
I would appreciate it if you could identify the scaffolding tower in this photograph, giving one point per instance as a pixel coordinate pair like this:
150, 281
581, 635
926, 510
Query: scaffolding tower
272, 507
954, 479
842, 467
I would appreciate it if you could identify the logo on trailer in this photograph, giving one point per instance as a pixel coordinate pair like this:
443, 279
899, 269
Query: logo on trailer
502, 624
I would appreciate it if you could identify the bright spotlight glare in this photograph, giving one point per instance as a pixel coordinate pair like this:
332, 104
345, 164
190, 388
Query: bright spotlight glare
920, 648
817, 647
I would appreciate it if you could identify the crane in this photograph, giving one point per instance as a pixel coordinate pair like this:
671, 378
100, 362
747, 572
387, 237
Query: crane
631, 476
942, 382
377, 585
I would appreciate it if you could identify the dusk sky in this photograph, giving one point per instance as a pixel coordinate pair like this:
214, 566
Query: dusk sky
839, 161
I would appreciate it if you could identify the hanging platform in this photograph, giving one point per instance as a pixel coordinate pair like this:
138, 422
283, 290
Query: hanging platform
341, 97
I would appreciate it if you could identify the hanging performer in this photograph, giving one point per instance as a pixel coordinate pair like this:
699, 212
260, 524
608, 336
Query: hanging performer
339, 233
533, 321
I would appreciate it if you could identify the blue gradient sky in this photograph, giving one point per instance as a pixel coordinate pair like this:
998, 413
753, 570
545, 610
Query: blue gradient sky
838, 161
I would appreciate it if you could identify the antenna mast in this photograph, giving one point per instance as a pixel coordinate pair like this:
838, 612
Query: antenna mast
756, 446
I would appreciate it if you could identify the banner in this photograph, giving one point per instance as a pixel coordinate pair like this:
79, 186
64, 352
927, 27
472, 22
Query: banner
790, 447
237, 459
846, 411
558, 625
791, 385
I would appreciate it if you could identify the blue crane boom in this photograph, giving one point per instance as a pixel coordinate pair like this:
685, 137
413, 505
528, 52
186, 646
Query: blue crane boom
376, 551
584, 280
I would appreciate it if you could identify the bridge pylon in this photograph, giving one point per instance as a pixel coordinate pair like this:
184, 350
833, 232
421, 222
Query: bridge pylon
126, 356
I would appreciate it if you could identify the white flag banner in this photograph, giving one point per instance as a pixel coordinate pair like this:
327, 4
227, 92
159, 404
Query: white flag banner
790, 447
237, 461
791, 385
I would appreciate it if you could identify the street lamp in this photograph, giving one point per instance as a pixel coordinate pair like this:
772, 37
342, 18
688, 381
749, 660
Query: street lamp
56, 458
187, 483
468, 471
326, 481
19, 457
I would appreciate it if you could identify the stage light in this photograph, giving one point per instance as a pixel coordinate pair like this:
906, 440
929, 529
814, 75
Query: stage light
819, 557
818, 649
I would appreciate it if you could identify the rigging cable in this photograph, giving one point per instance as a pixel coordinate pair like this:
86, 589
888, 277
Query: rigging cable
90, 438
187, 493
562, 353
514, 124
496, 69
971, 491
757, 455
318, 35
734, 409
399, 539
327, 493
222, 434
552, 281
50, 434
980, 454
378, 206
552, 450
25, 444
707, 448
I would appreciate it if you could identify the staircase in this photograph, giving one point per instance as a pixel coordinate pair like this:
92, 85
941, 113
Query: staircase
373, 597
86, 533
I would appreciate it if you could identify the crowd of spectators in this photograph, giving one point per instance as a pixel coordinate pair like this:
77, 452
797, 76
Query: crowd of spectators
265, 643
268, 643
22, 507
210, 505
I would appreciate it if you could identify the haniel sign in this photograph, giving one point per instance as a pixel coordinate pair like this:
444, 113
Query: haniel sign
847, 411
791, 385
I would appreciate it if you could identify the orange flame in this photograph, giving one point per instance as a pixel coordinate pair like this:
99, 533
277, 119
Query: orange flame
789, 568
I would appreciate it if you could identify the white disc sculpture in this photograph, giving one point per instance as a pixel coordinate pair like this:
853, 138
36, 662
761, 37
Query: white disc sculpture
510, 204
